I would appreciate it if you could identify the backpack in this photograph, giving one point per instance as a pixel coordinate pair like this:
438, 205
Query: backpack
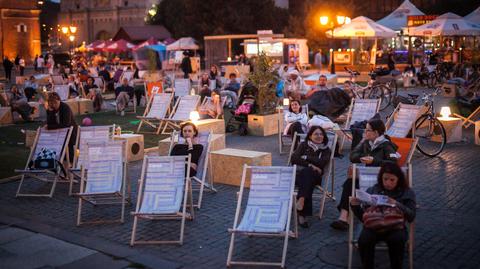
45, 159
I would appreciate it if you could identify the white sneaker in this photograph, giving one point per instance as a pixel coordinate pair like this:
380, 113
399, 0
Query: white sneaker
122, 113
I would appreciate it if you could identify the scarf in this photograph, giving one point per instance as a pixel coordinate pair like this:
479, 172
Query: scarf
379, 140
316, 146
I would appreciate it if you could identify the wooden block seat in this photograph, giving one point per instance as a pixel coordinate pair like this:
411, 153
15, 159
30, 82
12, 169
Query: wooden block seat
134, 144
6, 116
453, 129
217, 126
262, 125
227, 164
217, 143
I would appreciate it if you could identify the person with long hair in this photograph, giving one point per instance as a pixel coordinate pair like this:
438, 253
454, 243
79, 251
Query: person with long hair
391, 182
189, 132
311, 158
374, 150
295, 118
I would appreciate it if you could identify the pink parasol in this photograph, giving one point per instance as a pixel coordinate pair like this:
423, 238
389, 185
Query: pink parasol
119, 46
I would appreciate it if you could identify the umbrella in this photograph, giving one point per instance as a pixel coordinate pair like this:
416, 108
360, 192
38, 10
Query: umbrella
184, 43
102, 45
448, 24
92, 45
398, 18
362, 27
150, 41
119, 46
474, 16
157, 47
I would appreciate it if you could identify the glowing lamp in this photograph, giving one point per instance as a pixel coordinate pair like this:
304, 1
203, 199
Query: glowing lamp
445, 112
286, 101
73, 29
152, 12
229, 59
65, 29
348, 20
323, 20
341, 19
192, 91
71, 38
194, 116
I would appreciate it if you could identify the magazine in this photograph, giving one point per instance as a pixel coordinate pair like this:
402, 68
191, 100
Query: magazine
372, 199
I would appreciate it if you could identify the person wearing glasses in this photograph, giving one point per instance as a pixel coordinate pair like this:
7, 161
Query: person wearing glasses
374, 150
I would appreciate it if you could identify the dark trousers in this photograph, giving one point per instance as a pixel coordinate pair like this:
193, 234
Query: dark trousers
8, 73
346, 193
186, 75
139, 92
295, 127
29, 93
395, 240
306, 180
22, 70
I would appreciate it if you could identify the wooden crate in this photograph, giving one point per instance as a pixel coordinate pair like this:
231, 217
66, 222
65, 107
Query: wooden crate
6, 116
217, 143
73, 104
449, 90
453, 129
262, 125
85, 106
227, 164
217, 126
477, 133
135, 146
30, 138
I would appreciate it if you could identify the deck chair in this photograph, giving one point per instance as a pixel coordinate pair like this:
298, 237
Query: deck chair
402, 120
157, 109
204, 138
117, 75
367, 176
360, 110
406, 149
100, 83
269, 208
56, 140
58, 80
328, 174
87, 134
164, 189
181, 111
208, 102
104, 178
63, 91
467, 121
283, 139
153, 87
182, 86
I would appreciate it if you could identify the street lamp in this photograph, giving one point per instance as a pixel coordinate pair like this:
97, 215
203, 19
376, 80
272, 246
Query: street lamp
69, 31
340, 20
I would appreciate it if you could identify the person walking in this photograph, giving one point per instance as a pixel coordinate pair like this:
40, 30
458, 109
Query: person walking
40, 63
21, 65
318, 60
7, 66
186, 65
35, 63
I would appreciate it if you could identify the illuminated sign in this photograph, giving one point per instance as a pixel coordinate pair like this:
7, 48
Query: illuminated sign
417, 20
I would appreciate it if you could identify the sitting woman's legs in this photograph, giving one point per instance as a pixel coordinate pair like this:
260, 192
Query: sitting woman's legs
306, 180
395, 240
295, 127
366, 246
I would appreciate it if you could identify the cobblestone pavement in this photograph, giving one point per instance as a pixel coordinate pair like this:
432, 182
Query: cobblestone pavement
446, 233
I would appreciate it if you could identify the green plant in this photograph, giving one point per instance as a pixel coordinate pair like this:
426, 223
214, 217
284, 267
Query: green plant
152, 60
265, 78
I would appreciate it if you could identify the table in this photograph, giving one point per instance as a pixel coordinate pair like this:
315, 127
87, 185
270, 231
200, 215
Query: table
227, 164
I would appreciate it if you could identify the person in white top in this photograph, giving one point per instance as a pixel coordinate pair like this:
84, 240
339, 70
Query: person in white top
296, 119
41, 63
21, 64
295, 88
50, 64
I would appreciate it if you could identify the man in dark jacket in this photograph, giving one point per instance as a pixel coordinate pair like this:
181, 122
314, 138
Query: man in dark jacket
186, 65
7, 66
59, 115
123, 95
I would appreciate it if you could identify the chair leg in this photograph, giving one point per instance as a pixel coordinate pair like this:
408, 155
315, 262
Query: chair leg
285, 246
200, 195
79, 212
134, 230
52, 189
295, 215
190, 194
230, 249
20, 185
70, 187
350, 238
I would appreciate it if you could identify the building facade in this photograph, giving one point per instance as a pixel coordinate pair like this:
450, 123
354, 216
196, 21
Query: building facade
101, 19
19, 29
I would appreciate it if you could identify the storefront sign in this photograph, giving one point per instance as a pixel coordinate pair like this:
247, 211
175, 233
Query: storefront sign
413, 21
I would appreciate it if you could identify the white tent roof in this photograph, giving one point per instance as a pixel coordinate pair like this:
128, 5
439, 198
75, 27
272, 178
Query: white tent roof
448, 24
474, 16
398, 18
362, 27
184, 43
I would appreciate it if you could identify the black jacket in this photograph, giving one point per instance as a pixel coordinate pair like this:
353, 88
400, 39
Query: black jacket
186, 65
63, 118
385, 151
305, 155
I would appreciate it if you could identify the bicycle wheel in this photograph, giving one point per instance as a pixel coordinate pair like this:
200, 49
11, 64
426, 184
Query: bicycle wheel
431, 135
383, 93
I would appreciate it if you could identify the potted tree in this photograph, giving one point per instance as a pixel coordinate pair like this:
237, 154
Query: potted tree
265, 79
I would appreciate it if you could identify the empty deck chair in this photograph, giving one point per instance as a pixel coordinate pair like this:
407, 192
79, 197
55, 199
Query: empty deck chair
163, 193
467, 121
403, 120
208, 103
56, 140
100, 83
328, 174
367, 177
269, 208
87, 134
283, 139
63, 91
58, 80
360, 110
103, 178
152, 87
157, 109
181, 111
204, 139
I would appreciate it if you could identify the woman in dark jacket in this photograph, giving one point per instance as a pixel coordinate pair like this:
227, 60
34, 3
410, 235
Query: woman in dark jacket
374, 150
311, 157
189, 132
392, 183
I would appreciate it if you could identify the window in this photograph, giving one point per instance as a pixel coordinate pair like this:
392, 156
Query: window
21, 28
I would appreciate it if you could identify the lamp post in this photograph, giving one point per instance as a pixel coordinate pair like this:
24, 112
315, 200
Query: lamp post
340, 20
69, 32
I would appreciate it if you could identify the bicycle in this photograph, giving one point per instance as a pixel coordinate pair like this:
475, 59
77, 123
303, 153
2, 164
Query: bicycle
429, 130
372, 90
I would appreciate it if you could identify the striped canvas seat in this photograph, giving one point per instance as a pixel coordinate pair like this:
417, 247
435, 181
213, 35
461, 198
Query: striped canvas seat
363, 109
283, 139
156, 111
52, 139
402, 120
91, 134
181, 112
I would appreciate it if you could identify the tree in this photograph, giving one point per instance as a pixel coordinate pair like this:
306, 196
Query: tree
264, 77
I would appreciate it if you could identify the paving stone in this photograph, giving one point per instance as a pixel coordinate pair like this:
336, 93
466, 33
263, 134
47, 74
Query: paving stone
97, 260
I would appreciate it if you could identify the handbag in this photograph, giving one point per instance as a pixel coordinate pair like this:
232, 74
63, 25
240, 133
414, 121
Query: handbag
45, 159
383, 218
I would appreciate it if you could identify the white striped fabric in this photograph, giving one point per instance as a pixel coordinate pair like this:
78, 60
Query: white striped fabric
187, 104
403, 120
91, 134
52, 139
363, 109
159, 106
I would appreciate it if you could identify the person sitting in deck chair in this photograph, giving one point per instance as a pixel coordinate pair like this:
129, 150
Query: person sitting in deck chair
123, 95
212, 109
189, 132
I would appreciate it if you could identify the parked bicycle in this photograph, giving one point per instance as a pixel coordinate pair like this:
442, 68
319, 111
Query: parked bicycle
372, 90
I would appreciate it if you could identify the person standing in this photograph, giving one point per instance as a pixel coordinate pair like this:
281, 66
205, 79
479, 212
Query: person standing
40, 63
7, 66
391, 60
50, 64
35, 63
186, 65
318, 60
17, 62
21, 65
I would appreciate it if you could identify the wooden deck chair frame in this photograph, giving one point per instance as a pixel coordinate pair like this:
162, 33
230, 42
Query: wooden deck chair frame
223, 100
175, 124
36, 173
106, 198
285, 234
74, 172
183, 215
468, 121
155, 123
394, 114
348, 122
330, 174
206, 165
281, 127
351, 218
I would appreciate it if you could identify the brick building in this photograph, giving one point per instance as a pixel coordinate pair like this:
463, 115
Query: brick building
19, 29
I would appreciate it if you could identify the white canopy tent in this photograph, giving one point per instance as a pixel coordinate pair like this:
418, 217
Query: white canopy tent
184, 43
448, 24
361, 27
397, 20
474, 16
